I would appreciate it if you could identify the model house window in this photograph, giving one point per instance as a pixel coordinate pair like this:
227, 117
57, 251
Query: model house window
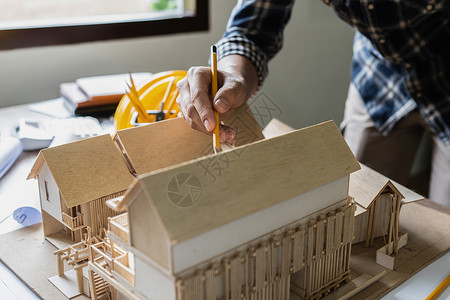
46, 191
25, 23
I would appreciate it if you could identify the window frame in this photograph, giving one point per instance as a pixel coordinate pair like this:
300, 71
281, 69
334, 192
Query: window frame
47, 194
72, 34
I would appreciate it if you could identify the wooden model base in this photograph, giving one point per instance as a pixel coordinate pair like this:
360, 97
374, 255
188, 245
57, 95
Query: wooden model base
428, 239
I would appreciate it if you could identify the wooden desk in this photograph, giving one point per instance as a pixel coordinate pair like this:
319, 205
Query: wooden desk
31, 257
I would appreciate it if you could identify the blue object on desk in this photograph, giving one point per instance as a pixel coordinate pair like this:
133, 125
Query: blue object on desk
10, 149
27, 215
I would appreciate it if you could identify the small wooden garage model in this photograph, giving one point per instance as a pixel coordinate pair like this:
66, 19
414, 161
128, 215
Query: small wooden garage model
254, 222
378, 202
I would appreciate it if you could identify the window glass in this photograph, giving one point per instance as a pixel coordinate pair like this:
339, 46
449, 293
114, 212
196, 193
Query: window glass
28, 23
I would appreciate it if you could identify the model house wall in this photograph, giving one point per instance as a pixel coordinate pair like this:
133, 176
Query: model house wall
153, 283
210, 244
382, 219
49, 193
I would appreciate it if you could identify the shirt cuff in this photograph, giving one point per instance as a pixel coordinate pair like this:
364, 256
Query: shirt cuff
237, 44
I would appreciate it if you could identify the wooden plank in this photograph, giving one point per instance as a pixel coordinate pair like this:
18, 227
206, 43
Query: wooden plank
362, 286
310, 249
260, 268
235, 278
285, 257
247, 285
210, 284
320, 239
338, 230
298, 252
347, 288
329, 248
348, 229
194, 287
226, 275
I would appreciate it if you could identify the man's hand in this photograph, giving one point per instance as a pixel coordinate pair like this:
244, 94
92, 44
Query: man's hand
237, 82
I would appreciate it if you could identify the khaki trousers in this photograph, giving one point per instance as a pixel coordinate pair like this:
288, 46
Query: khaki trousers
393, 155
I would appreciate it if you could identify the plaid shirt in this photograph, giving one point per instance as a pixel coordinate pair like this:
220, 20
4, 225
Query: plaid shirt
401, 53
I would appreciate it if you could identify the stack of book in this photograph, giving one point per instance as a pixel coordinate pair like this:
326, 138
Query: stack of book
98, 94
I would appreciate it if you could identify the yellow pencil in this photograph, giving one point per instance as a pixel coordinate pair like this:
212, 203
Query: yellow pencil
134, 99
439, 289
214, 84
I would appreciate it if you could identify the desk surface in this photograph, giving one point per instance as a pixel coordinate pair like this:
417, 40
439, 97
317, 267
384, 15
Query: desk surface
426, 223
15, 190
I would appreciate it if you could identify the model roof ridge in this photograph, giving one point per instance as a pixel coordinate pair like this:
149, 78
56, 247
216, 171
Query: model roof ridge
279, 168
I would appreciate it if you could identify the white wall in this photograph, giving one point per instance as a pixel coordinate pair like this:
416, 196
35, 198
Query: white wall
259, 225
151, 283
308, 78
53, 205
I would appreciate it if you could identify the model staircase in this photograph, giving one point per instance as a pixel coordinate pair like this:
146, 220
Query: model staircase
100, 286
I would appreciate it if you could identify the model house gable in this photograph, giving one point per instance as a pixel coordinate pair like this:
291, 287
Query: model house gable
366, 185
49, 193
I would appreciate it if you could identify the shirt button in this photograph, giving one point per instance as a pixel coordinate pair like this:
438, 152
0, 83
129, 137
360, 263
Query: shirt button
430, 7
382, 41
371, 6
326, 1
407, 65
419, 95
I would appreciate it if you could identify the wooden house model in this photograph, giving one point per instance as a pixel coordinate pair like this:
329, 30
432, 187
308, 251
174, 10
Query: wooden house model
267, 219
254, 222
75, 180
378, 202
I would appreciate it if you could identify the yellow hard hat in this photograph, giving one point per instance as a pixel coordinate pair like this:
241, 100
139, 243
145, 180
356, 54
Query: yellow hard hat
157, 97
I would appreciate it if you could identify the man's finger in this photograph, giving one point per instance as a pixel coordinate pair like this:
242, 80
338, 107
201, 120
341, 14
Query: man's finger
200, 82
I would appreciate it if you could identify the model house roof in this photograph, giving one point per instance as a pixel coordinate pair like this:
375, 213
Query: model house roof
275, 128
172, 142
366, 185
162, 144
200, 195
85, 170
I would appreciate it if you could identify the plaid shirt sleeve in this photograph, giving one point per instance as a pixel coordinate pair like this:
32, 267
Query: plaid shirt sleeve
255, 30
